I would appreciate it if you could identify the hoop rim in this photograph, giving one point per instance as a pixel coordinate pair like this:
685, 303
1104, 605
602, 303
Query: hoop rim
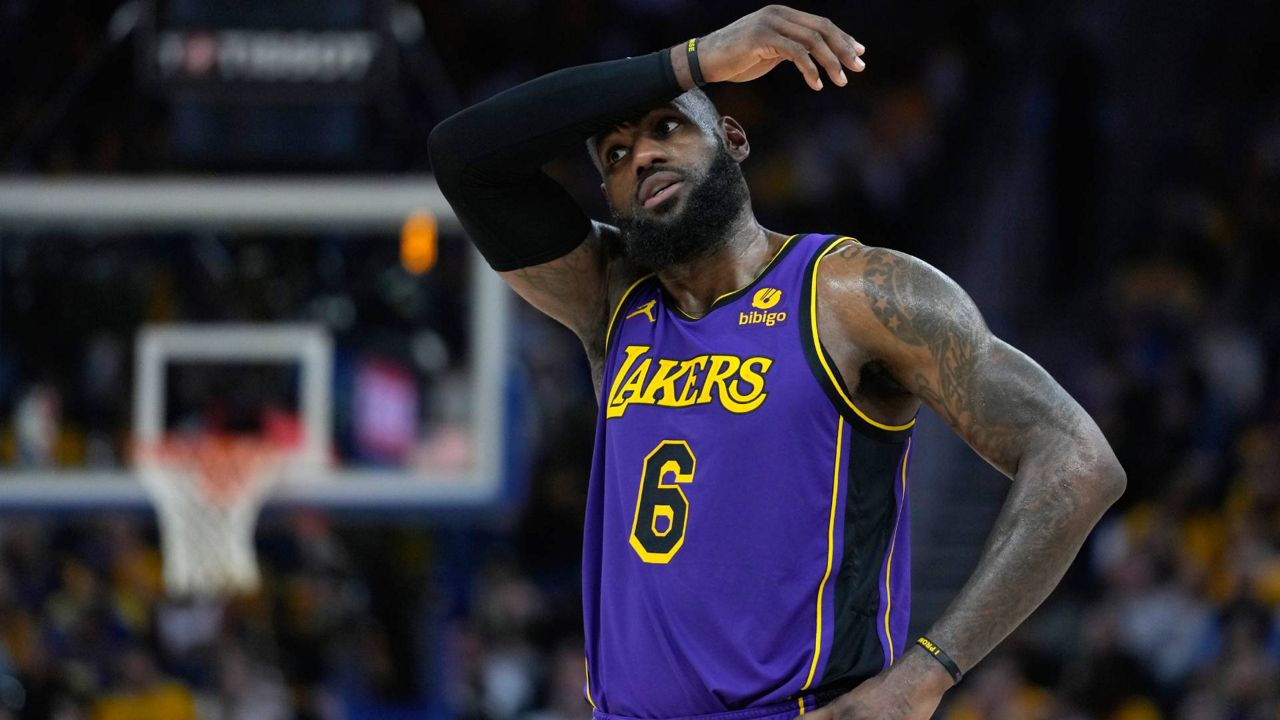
227, 467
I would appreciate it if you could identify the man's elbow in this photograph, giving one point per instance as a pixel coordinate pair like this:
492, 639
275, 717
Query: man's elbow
442, 148
1107, 480
455, 149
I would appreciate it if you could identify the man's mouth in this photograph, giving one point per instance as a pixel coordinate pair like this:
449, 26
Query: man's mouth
663, 194
659, 187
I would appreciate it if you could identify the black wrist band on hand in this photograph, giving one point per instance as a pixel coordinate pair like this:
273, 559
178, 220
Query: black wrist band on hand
942, 657
695, 68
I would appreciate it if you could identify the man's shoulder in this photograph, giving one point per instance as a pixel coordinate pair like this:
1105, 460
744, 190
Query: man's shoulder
850, 265
879, 292
842, 262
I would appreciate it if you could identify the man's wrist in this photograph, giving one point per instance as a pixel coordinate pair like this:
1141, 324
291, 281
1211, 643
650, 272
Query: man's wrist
923, 672
680, 64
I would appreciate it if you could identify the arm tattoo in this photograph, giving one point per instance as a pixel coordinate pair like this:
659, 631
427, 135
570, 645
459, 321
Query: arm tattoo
1013, 413
975, 387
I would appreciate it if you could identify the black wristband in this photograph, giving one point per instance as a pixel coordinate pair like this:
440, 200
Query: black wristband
695, 68
941, 656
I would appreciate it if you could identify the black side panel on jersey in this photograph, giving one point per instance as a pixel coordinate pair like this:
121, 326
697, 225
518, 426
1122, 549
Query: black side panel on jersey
869, 514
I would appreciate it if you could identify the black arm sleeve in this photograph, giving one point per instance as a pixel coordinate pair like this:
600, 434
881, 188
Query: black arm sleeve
488, 158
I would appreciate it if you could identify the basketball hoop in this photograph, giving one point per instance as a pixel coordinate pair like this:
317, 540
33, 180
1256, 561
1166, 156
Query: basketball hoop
208, 490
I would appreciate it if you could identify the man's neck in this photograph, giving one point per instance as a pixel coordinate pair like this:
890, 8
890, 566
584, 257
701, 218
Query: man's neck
694, 286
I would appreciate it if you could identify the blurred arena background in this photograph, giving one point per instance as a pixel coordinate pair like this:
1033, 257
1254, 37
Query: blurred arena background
1102, 175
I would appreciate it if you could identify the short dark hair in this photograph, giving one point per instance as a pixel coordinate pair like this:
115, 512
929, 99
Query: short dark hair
695, 104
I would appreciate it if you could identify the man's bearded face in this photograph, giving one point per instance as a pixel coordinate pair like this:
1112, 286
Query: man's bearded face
689, 222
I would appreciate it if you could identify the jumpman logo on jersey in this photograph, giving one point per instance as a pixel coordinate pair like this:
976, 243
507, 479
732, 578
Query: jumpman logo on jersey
645, 309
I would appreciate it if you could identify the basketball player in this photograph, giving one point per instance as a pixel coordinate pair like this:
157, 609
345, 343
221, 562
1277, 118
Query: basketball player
746, 549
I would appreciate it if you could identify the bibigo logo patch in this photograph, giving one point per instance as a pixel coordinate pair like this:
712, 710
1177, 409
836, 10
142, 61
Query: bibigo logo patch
766, 298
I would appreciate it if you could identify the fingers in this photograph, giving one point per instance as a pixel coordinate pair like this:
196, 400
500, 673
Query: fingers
799, 54
816, 45
841, 43
821, 39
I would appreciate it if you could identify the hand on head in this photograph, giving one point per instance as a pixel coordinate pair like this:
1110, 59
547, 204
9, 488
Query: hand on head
753, 45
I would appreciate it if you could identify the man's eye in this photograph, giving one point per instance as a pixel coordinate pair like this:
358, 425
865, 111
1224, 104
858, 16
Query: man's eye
614, 155
669, 126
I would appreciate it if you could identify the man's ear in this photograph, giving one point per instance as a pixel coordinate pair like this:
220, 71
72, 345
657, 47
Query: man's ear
735, 139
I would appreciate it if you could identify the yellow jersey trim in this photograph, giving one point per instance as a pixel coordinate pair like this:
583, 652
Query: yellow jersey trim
817, 346
767, 266
587, 669
888, 572
613, 319
801, 706
831, 529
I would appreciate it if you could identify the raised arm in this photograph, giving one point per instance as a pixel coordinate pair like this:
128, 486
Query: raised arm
488, 161
927, 333
488, 158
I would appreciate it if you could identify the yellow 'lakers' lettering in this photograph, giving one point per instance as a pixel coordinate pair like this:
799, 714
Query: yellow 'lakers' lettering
633, 352
722, 368
748, 401
737, 383
755, 317
635, 384
664, 381
691, 379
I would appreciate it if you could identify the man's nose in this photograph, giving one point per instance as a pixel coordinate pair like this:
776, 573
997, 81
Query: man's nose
648, 151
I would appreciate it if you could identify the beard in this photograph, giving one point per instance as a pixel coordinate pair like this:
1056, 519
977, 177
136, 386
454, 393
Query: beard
703, 225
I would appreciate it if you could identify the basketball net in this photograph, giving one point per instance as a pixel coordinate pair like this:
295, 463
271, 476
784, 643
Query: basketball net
207, 490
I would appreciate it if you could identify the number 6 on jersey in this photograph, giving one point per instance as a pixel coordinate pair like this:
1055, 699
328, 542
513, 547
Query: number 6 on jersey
661, 502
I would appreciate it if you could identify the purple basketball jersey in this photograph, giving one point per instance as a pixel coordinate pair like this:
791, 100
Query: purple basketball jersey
746, 540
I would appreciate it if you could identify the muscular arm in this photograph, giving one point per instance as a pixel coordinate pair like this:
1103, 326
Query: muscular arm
928, 334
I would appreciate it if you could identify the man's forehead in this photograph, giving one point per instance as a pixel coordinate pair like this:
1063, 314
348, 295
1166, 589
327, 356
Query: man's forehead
694, 106
633, 122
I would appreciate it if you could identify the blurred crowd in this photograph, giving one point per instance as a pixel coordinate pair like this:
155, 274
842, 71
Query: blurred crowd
88, 633
1135, 234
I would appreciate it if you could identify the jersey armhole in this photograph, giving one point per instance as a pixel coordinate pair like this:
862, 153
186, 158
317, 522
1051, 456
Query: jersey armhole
617, 310
823, 366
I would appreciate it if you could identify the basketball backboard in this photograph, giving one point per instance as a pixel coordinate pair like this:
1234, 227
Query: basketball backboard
397, 412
